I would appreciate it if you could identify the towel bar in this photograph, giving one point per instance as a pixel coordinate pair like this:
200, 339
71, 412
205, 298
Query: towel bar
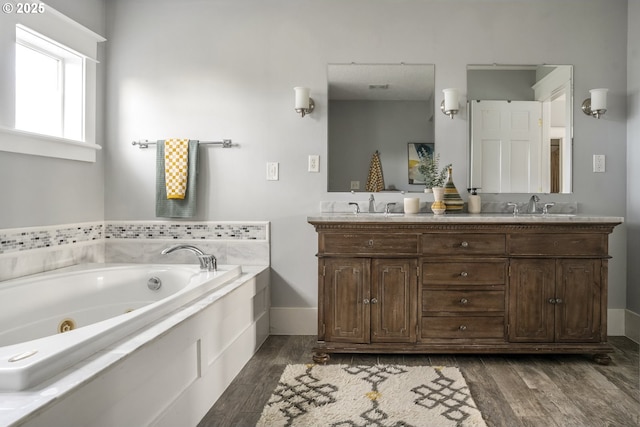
226, 143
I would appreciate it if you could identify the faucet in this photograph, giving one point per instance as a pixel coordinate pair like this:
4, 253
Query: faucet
387, 208
356, 210
372, 203
207, 262
532, 204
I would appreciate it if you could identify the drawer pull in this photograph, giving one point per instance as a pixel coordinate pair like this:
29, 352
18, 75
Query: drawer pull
370, 243
464, 274
462, 328
464, 301
464, 244
374, 300
365, 301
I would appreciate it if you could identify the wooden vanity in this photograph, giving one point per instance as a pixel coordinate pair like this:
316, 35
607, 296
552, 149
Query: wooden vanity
462, 284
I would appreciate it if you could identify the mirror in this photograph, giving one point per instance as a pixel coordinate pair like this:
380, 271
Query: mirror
377, 107
520, 128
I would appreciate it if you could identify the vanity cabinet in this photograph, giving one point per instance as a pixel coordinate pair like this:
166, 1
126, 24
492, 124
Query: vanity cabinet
369, 300
443, 286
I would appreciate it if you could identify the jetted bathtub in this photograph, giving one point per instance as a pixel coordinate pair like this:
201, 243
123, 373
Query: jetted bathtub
51, 321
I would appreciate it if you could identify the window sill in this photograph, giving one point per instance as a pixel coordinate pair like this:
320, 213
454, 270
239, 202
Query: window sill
17, 141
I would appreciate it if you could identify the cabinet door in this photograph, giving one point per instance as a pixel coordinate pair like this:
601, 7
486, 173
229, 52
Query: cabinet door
394, 300
346, 299
578, 292
531, 288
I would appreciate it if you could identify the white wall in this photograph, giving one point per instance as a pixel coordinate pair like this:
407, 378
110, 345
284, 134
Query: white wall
225, 69
41, 190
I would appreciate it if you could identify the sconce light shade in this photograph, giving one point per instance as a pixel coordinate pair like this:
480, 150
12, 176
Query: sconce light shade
304, 103
449, 105
596, 106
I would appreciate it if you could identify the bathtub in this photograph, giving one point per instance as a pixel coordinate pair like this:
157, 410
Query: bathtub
51, 321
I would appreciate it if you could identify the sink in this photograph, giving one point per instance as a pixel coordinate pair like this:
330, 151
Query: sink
379, 214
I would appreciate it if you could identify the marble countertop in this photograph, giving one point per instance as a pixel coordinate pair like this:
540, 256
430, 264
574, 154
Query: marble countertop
464, 218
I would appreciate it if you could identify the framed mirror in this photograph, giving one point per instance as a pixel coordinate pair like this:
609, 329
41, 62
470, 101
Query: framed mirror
520, 128
377, 108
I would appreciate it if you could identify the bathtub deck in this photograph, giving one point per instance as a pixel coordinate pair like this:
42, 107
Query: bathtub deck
596, 395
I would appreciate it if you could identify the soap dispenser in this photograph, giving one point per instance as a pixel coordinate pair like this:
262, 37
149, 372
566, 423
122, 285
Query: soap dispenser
475, 204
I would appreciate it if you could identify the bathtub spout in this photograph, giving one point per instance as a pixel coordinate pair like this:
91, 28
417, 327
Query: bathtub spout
207, 262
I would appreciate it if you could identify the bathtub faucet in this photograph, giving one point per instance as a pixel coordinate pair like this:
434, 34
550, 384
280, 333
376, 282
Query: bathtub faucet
207, 262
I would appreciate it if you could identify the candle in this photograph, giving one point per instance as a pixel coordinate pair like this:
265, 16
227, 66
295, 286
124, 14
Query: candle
411, 205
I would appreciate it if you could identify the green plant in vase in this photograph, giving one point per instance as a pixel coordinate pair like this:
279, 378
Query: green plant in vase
429, 168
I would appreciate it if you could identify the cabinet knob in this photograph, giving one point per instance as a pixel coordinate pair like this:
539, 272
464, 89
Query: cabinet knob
462, 328
370, 242
464, 244
552, 300
365, 301
374, 300
464, 301
464, 274
558, 300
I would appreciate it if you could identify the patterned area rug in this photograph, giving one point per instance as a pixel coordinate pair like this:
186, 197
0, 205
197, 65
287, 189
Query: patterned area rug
380, 395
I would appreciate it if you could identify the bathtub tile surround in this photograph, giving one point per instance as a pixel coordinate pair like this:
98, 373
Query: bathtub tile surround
31, 250
244, 243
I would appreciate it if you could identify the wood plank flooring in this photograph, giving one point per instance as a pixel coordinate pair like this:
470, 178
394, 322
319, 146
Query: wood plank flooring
510, 391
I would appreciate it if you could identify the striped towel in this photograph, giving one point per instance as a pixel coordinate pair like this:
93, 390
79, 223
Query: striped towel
375, 181
176, 166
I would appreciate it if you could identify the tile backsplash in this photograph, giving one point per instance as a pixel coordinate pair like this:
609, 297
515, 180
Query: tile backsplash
31, 250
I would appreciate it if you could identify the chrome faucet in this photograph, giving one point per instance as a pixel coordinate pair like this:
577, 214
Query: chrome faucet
207, 262
372, 203
356, 209
532, 204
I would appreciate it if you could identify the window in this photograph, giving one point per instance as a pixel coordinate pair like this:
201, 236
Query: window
49, 87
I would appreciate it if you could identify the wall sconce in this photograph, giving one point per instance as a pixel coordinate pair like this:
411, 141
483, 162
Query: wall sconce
450, 104
596, 106
304, 103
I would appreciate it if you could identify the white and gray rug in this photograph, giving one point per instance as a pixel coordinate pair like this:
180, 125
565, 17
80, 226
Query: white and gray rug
380, 395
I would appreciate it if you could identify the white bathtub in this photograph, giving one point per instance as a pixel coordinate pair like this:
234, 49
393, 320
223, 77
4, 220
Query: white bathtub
106, 302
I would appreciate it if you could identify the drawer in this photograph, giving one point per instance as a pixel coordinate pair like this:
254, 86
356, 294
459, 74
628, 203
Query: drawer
368, 243
434, 302
464, 273
558, 244
463, 327
463, 244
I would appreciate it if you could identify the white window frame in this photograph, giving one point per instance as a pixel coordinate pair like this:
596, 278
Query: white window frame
61, 29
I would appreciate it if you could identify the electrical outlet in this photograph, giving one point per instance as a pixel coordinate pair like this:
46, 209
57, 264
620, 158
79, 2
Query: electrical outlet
355, 185
598, 163
314, 163
272, 171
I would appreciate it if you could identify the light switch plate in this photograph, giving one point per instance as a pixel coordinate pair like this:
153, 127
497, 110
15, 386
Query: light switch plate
598, 163
355, 185
272, 171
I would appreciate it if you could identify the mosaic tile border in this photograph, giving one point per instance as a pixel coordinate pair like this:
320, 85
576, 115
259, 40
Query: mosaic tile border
14, 240
24, 239
189, 230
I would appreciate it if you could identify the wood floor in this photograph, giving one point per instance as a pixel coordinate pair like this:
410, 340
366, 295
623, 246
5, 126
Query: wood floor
510, 391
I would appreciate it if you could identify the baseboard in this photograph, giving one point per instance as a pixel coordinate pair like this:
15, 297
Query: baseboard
294, 321
632, 325
304, 321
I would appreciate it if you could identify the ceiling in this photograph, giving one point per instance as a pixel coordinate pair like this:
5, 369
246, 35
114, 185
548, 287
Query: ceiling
391, 82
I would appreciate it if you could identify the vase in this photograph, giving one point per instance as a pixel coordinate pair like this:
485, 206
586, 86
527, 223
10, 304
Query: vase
452, 199
438, 207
